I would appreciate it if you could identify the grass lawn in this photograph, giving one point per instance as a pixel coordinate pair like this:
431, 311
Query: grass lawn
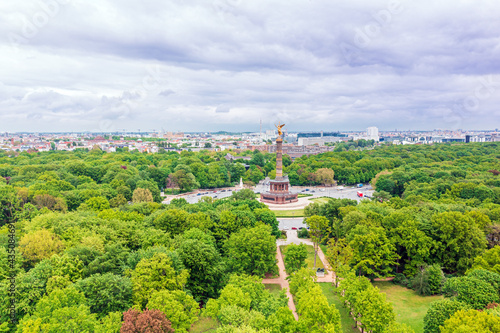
309, 259
320, 200
273, 288
289, 213
204, 324
410, 308
323, 248
303, 195
346, 320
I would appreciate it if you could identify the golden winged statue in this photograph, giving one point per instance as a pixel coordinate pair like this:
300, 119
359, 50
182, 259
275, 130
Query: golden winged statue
279, 127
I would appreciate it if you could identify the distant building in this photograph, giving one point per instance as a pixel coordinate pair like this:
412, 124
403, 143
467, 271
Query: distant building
172, 136
270, 132
372, 133
453, 140
230, 157
317, 141
475, 138
320, 134
319, 138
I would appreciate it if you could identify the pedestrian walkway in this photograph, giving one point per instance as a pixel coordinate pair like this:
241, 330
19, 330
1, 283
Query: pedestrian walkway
282, 281
293, 238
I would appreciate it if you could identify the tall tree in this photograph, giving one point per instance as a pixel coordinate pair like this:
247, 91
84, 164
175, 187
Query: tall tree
142, 195
458, 240
377, 313
155, 274
106, 293
339, 254
150, 321
316, 315
325, 176
206, 268
318, 231
180, 308
295, 257
252, 251
39, 245
374, 254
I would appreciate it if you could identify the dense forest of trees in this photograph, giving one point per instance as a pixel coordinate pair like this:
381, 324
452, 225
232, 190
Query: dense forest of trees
434, 224
96, 251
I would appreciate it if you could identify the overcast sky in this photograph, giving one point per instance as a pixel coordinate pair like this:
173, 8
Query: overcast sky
209, 65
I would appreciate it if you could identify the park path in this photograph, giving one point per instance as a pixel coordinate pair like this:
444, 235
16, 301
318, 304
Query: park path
292, 238
282, 281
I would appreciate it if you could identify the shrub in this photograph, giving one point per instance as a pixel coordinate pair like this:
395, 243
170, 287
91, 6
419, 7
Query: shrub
471, 321
435, 279
486, 276
439, 312
401, 280
428, 281
303, 233
472, 291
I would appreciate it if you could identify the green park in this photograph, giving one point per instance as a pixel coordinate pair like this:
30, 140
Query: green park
88, 244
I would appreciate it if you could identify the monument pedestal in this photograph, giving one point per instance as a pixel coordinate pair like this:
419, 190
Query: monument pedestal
279, 192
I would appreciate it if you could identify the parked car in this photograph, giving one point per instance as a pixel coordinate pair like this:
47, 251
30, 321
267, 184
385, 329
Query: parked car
294, 228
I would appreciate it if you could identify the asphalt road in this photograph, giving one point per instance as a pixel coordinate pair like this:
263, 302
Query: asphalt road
194, 198
348, 192
289, 223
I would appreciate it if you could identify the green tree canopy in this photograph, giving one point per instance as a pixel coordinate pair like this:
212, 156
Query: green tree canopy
252, 250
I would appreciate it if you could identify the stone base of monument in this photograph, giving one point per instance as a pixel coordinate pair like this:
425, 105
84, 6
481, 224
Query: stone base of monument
279, 192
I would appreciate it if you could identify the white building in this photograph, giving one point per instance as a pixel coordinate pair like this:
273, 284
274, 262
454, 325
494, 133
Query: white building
320, 141
372, 133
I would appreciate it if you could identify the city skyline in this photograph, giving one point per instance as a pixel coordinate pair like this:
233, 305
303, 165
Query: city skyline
222, 65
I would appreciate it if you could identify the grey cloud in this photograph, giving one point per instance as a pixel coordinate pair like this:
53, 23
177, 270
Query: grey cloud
167, 92
222, 109
90, 65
